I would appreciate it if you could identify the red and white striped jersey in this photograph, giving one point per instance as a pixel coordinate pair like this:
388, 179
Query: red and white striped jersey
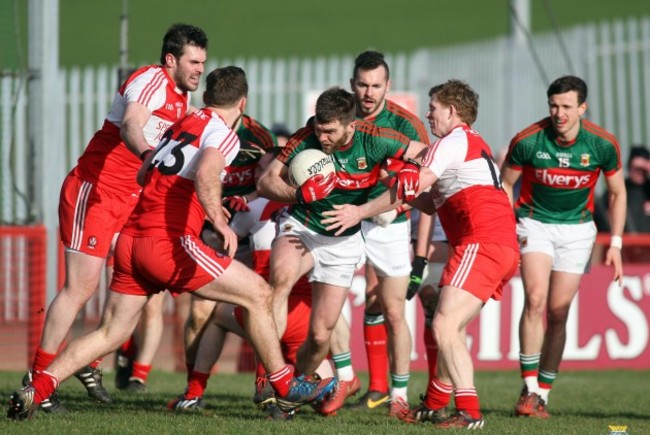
472, 206
107, 162
169, 206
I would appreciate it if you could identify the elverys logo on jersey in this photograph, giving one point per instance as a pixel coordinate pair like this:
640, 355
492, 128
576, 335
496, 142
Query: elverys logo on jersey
562, 179
317, 167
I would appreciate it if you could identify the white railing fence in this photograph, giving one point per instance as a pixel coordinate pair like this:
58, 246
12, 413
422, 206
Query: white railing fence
613, 58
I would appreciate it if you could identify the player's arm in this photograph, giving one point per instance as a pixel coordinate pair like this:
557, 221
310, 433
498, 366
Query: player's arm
347, 215
617, 215
416, 151
271, 183
208, 190
509, 177
135, 118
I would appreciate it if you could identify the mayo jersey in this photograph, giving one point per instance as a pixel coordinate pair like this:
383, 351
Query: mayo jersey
106, 161
168, 206
357, 167
259, 227
396, 117
558, 181
468, 197
255, 140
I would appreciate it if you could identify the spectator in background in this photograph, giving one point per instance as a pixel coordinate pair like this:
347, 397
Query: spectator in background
637, 185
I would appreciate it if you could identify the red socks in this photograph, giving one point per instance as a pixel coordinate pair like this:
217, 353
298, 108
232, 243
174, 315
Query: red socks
280, 380
467, 400
377, 353
197, 384
438, 394
44, 385
140, 371
42, 360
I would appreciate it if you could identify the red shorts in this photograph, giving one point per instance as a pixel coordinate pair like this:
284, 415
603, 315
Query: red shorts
89, 217
147, 265
481, 269
297, 326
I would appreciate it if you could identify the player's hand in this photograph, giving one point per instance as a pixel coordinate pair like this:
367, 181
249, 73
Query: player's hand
228, 235
417, 270
236, 203
316, 188
341, 218
408, 181
386, 218
613, 258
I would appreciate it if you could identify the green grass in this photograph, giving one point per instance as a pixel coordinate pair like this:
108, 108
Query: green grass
582, 403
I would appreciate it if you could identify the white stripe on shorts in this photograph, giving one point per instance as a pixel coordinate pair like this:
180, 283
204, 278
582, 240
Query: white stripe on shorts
80, 209
465, 265
203, 260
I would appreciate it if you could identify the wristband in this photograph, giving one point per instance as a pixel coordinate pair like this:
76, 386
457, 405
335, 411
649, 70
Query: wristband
413, 162
616, 242
144, 154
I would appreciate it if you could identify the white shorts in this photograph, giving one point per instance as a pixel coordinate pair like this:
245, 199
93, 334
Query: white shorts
335, 258
569, 245
388, 249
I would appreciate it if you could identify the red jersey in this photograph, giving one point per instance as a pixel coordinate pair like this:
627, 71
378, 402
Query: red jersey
169, 206
472, 206
258, 226
107, 162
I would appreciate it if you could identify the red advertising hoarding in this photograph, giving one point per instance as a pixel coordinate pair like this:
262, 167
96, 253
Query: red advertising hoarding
608, 325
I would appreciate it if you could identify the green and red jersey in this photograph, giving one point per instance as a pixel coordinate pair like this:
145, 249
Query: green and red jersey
559, 180
357, 167
255, 140
397, 118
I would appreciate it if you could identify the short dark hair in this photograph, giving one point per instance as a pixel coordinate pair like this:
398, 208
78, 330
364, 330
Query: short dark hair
369, 60
460, 95
566, 84
224, 87
180, 35
335, 104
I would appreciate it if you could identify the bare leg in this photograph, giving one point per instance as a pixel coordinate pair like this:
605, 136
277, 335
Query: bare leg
456, 309
327, 302
151, 329
564, 287
289, 261
83, 273
120, 316
535, 272
200, 311
392, 293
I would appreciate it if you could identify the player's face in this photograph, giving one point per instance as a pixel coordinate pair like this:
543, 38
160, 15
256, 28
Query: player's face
187, 69
565, 114
370, 87
334, 135
439, 116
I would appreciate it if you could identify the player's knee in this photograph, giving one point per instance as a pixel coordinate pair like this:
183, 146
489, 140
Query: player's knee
320, 337
558, 316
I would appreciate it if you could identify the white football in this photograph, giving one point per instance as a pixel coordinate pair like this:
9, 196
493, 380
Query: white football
308, 163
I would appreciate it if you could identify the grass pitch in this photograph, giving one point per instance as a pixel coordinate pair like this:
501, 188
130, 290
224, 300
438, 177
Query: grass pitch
581, 403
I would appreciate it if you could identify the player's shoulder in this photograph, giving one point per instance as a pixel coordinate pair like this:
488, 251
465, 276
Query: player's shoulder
264, 137
402, 113
530, 133
301, 139
598, 135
